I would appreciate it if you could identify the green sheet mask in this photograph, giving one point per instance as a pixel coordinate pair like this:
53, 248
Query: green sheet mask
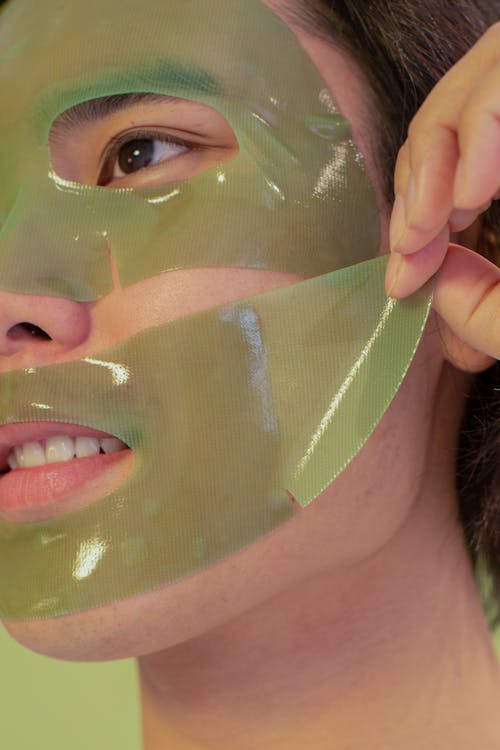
229, 410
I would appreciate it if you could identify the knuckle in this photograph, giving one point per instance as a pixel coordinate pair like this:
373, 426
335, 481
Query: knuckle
432, 136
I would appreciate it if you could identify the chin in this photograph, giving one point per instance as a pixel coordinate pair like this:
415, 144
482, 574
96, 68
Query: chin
126, 629
148, 622
93, 635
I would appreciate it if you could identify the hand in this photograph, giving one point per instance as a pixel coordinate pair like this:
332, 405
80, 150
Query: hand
447, 174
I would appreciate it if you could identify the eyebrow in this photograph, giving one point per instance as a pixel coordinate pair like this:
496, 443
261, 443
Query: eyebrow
97, 109
145, 80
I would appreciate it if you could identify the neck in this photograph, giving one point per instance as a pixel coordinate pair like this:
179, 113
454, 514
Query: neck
392, 652
309, 664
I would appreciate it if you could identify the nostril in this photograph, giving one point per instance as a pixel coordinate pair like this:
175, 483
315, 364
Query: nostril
27, 331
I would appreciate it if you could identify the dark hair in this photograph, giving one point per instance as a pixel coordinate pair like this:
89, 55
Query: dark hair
403, 47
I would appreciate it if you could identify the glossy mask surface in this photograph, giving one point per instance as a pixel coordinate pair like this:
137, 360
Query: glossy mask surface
227, 409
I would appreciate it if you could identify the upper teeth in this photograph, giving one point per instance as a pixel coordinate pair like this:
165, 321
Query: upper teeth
60, 448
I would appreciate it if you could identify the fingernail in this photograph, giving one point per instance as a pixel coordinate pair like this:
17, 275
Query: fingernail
398, 222
393, 274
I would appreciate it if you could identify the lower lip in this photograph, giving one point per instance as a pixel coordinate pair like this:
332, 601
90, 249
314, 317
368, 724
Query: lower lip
43, 491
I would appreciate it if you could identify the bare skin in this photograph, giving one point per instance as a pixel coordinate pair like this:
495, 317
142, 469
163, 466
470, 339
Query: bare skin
389, 651
304, 669
357, 624
447, 174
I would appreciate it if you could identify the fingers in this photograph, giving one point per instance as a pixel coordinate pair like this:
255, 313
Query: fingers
467, 297
478, 172
428, 195
462, 218
407, 273
448, 171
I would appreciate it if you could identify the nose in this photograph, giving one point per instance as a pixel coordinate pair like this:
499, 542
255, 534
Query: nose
30, 324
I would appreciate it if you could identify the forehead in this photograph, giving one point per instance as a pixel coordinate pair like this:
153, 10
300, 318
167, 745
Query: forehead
73, 38
55, 54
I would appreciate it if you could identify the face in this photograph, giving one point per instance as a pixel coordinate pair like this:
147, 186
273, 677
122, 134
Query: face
160, 159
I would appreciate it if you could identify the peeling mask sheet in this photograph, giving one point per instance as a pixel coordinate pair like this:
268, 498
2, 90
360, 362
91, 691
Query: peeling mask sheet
229, 411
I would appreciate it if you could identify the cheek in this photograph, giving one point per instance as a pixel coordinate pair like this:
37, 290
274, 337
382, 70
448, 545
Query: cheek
159, 299
373, 497
353, 519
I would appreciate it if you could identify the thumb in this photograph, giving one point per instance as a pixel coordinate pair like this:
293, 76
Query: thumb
467, 297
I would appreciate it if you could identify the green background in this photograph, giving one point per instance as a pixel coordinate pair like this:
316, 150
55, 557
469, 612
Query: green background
54, 705
46, 704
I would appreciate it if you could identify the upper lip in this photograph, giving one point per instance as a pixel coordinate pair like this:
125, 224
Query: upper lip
19, 433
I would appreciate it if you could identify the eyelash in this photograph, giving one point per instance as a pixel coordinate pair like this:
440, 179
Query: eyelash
113, 149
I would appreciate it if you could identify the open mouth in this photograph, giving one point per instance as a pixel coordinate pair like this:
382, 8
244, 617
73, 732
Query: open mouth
26, 445
59, 448
47, 468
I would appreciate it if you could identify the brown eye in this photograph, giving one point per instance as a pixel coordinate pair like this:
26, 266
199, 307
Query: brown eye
138, 140
136, 155
130, 155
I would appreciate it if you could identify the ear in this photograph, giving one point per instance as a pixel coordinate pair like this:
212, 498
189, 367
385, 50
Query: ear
467, 299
